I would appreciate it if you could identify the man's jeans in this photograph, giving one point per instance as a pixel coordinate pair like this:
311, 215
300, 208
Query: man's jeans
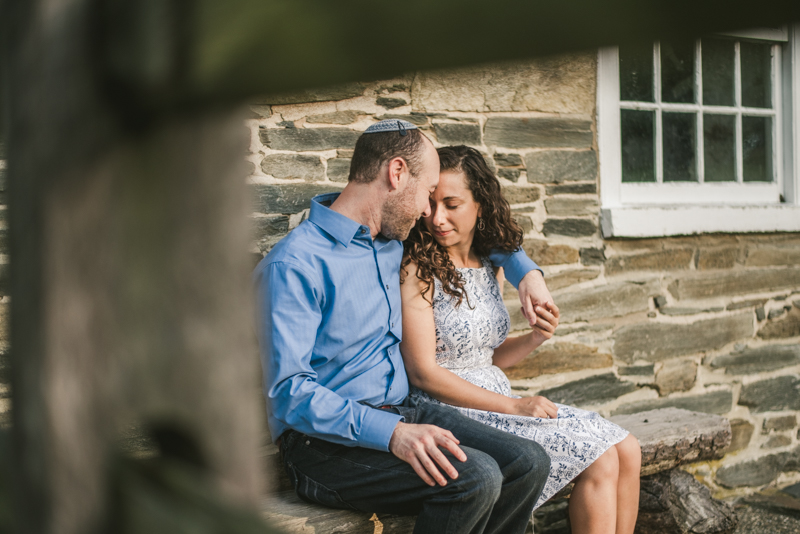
495, 490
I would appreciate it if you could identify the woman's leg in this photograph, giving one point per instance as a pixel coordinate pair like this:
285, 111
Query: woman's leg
593, 503
630, 466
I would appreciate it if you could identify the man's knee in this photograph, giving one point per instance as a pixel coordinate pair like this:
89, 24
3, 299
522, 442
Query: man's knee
533, 459
480, 476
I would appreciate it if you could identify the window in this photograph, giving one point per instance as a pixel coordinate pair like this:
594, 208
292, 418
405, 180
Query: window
700, 136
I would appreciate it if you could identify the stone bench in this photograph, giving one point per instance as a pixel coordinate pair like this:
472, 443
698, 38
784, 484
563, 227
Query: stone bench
671, 500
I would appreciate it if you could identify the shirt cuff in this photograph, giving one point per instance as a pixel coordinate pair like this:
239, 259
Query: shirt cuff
516, 266
377, 429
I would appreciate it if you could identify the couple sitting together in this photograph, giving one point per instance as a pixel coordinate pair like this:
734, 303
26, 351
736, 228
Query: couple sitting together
383, 332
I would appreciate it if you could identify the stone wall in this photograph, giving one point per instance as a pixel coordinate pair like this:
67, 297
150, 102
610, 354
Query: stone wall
708, 323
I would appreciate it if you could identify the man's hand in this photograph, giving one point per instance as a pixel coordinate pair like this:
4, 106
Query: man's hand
532, 292
419, 446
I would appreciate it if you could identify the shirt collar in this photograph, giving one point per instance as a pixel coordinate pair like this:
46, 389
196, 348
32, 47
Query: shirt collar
342, 229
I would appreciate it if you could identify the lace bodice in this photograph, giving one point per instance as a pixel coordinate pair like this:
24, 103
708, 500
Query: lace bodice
467, 335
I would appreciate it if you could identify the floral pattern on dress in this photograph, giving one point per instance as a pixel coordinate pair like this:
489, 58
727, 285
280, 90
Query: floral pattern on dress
466, 337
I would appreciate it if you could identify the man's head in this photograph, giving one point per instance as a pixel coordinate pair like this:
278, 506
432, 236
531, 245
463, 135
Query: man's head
404, 161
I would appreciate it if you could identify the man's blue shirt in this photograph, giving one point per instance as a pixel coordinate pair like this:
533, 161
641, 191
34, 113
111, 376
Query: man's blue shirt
330, 328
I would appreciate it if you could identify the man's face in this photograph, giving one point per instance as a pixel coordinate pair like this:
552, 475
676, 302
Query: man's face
412, 201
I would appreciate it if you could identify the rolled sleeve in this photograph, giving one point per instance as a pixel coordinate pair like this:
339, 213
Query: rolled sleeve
515, 264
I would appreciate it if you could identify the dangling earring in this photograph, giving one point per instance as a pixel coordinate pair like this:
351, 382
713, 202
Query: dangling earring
481, 225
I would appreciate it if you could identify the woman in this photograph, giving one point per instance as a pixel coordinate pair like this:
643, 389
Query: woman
452, 304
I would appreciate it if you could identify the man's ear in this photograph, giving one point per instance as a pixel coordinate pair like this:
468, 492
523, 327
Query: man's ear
398, 171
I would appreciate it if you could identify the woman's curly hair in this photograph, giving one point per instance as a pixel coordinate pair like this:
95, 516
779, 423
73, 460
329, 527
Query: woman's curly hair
500, 232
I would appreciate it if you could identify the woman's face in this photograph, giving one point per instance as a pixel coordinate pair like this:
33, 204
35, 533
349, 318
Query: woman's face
454, 212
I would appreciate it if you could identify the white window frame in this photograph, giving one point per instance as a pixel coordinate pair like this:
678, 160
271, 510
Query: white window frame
681, 208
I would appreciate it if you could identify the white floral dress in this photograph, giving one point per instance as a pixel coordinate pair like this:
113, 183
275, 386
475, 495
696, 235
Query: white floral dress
466, 337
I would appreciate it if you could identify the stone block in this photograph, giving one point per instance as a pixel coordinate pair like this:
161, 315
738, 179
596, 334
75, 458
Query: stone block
662, 260
777, 441
545, 254
556, 84
524, 222
336, 117
779, 424
774, 394
660, 301
717, 258
570, 278
637, 370
288, 198
538, 132
745, 304
304, 139
593, 256
557, 166
765, 256
709, 285
390, 102
559, 358
677, 311
788, 326
274, 225
758, 360
676, 375
571, 189
569, 227
775, 313
512, 175
757, 472
324, 94
716, 402
292, 166
462, 133
568, 207
612, 300
521, 195
419, 119
592, 390
655, 342
741, 431
339, 169
508, 160
760, 315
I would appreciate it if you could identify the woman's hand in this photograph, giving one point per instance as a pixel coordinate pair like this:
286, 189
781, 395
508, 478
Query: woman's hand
534, 407
545, 327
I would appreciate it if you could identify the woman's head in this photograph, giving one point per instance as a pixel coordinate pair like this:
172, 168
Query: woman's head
482, 198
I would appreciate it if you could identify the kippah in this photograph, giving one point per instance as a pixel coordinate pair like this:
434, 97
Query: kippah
391, 125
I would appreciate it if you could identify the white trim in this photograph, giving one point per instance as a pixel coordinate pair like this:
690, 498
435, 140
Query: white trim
655, 209
656, 221
762, 34
609, 131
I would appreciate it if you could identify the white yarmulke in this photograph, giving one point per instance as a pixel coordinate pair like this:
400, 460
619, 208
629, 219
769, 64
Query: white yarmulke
390, 125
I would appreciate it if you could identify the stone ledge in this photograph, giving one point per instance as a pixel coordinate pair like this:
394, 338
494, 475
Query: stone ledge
669, 437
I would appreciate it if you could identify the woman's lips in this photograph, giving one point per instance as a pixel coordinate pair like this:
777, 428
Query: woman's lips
441, 234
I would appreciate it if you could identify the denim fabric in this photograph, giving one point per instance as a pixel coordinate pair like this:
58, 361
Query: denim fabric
494, 493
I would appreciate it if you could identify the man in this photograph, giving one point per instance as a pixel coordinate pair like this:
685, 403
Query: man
333, 376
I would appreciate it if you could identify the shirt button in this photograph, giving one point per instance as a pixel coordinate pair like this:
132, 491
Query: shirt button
387, 286
392, 325
362, 230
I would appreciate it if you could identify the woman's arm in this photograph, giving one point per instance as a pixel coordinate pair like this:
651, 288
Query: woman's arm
419, 354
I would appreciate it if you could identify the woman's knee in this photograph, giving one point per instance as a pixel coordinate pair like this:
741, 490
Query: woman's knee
604, 469
630, 453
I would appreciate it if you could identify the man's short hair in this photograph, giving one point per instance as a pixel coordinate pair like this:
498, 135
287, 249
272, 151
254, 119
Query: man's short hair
374, 149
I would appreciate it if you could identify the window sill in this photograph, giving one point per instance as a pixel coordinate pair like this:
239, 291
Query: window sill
669, 220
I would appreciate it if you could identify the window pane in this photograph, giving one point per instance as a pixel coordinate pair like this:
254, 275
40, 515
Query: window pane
638, 145
636, 73
719, 154
718, 67
677, 72
757, 149
756, 75
679, 147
